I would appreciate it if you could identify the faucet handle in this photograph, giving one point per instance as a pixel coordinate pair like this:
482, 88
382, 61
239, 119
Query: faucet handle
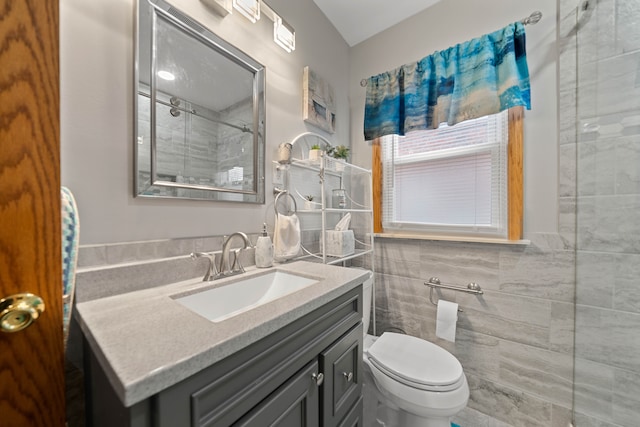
212, 271
236, 261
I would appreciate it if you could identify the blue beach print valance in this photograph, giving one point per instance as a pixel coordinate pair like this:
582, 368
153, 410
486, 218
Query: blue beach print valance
473, 79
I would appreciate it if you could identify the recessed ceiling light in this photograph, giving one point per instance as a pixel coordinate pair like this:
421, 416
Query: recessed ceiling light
166, 75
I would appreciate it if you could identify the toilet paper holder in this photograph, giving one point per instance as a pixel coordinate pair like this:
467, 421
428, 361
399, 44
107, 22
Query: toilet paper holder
434, 282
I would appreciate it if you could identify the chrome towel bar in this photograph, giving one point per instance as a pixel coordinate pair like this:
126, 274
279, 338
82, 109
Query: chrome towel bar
472, 288
434, 282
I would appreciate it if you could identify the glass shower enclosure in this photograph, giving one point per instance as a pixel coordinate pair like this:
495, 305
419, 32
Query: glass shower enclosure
602, 39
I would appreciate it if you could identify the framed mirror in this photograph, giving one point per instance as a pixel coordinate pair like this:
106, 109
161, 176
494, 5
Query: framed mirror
200, 111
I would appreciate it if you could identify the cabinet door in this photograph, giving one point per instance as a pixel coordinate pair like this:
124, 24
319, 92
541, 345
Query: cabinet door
294, 404
354, 417
342, 365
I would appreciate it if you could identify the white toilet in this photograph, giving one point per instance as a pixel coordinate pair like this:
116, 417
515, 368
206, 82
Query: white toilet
419, 383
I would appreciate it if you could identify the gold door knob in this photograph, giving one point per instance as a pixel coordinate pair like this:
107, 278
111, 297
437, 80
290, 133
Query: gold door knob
18, 311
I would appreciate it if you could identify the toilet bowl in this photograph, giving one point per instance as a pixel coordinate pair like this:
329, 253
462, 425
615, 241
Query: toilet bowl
419, 383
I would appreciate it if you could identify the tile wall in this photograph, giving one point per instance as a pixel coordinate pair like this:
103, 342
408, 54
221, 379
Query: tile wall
605, 93
515, 341
186, 147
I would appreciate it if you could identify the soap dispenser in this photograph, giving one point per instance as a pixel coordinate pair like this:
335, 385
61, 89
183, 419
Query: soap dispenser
264, 249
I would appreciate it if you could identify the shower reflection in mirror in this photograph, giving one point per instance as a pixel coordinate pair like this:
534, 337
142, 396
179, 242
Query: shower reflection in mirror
200, 112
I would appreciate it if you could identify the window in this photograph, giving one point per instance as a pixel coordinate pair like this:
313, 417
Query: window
460, 180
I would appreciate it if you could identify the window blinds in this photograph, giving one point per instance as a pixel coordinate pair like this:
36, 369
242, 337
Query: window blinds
452, 179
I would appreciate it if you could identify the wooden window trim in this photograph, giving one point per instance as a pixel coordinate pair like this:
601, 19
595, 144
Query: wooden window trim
376, 173
515, 187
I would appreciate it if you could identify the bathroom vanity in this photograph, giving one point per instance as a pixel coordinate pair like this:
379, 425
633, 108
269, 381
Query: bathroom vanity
294, 361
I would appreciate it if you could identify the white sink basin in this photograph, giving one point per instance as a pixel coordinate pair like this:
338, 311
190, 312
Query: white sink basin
226, 301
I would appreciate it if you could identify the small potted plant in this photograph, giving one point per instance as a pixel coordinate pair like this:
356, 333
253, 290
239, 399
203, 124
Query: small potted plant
315, 152
308, 203
340, 153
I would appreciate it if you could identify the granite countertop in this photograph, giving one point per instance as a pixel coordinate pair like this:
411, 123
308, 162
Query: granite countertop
146, 341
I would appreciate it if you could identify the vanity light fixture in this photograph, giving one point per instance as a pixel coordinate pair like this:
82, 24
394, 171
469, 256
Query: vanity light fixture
249, 8
283, 34
166, 75
221, 7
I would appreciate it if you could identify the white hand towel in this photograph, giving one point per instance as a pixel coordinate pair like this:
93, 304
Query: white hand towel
286, 237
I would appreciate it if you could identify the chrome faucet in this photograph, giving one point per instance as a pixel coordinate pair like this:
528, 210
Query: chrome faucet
212, 272
230, 270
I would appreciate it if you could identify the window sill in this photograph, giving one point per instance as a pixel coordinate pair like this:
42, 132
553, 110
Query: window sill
461, 239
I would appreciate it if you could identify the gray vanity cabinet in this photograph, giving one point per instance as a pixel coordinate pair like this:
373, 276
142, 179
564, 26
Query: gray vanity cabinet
307, 373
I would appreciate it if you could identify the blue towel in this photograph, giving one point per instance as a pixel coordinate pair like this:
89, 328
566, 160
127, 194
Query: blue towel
70, 240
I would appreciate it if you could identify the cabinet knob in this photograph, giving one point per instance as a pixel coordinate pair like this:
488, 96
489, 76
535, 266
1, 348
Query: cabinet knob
318, 378
348, 376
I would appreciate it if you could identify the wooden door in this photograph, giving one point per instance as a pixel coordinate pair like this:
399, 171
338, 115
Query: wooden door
32, 360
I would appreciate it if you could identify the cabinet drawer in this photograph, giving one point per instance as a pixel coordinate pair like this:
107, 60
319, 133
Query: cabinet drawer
341, 364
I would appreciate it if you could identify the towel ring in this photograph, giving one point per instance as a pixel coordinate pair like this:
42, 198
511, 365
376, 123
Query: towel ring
275, 203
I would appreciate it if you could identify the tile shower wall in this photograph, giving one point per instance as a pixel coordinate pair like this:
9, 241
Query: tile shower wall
196, 135
515, 341
604, 148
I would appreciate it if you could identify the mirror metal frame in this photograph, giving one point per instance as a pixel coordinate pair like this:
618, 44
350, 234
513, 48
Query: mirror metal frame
201, 33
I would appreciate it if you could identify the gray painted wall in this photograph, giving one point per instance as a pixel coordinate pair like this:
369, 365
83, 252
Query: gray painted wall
97, 113
455, 21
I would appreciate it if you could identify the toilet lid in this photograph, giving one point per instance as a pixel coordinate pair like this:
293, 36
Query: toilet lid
416, 362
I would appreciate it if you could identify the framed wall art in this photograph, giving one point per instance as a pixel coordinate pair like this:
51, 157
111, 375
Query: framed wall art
319, 101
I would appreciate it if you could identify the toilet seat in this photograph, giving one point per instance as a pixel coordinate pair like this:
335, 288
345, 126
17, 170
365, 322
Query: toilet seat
416, 363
